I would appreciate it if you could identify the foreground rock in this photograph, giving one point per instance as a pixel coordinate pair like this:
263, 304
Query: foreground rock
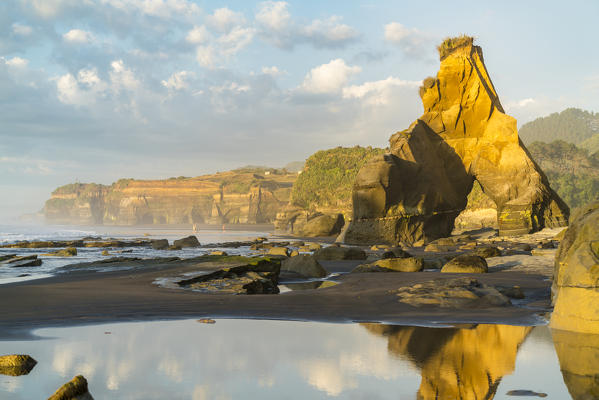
340, 253
68, 252
323, 225
189, 241
16, 364
160, 244
415, 192
407, 264
576, 274
466, 263
305, 265
75, 389
14, 261
452, 293
258, 277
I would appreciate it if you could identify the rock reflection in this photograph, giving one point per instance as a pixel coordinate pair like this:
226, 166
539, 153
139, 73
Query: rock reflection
578, 355
456, 363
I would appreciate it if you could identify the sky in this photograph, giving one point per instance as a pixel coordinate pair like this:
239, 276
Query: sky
97, 90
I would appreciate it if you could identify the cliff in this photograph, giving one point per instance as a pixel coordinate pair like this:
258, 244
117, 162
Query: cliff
416, 191
240, 196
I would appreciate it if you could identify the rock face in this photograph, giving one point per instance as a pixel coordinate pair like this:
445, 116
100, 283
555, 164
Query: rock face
416, 191
575, 287
297, 221
239, 196
16, 364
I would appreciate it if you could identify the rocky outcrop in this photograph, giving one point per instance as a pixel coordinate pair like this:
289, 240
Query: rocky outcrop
75, 389
415, 192
189, 241
466, 363
239, 196
575, 287
305, 265
340, 253
466, 263
16, 364
405, 264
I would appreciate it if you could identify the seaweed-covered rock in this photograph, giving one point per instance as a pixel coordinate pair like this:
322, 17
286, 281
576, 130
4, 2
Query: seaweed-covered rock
466, 263
68, 252
16, 364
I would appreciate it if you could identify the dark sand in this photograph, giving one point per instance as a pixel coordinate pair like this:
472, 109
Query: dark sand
87, 297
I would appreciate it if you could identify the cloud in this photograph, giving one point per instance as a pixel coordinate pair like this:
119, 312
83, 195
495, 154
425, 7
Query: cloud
122, 77
277, 27
520, 103
198, 35
78, 36
329, 78
224, 19
273, 71
16, 62
377, 92
157, 8
21, 30
178, 80
216, 51
411, 41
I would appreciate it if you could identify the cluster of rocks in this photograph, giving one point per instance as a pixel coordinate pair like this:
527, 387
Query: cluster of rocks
22, 364
14, 261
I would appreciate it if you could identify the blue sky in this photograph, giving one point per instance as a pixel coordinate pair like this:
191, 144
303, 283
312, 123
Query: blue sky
99, 90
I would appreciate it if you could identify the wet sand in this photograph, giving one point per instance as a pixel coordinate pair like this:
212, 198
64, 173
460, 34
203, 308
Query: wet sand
88, 297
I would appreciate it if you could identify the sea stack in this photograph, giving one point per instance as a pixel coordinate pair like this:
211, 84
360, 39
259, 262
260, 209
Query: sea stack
415, 192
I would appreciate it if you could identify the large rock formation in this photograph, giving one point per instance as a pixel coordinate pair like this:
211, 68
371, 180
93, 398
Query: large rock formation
239, 196
578, 355
416, 191
576, 274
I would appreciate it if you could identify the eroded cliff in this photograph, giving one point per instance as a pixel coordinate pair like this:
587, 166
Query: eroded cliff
239, 196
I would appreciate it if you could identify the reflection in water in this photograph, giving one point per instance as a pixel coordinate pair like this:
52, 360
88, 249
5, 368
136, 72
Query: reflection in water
465, 363
240, 359
578, 355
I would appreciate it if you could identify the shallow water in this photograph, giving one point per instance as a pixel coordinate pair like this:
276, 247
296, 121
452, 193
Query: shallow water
241, 359
50, 264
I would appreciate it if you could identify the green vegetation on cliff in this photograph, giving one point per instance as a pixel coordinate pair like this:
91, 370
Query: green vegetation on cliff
328, 177
452, 43
572, 125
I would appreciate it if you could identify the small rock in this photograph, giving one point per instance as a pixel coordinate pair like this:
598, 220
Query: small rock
68, 252
297, 243
525, 393
105, 253
76, 388
514, 292
189, 241
16, 364
340, 253
314, 246
487, 252
160, 244
174, 247
218, 253
396, 252
466, 264
377, 247
206, 321
294, 253
278, 251
410, 264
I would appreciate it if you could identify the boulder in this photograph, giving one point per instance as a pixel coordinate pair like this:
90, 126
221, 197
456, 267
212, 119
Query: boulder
323, 225
305, 265
575, 288
278, 251
487, 252
218, 253
174, 247
409, 264
294, 253
340, 253
75, 389
68, 252
189, 241
466, 263
16, 364
454, 293
260, 276
160, 244
396, 252
314, 246
415, 192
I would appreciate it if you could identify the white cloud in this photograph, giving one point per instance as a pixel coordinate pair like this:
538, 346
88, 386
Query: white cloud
78, 36
273, 15
178, 80
51, 8
273, 71
235, 40
377, 92
329, 78
157, 8
198, 35
17, 62
206, 56
410, 40
329, 32
224, 19
122, 77
213, 52
521, 103
21, 30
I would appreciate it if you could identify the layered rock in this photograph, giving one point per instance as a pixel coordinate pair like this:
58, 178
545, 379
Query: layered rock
239, 196
416, 191
575, 287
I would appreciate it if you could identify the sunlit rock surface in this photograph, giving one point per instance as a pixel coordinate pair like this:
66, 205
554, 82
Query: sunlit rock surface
416, 191
576, 274
465, 363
